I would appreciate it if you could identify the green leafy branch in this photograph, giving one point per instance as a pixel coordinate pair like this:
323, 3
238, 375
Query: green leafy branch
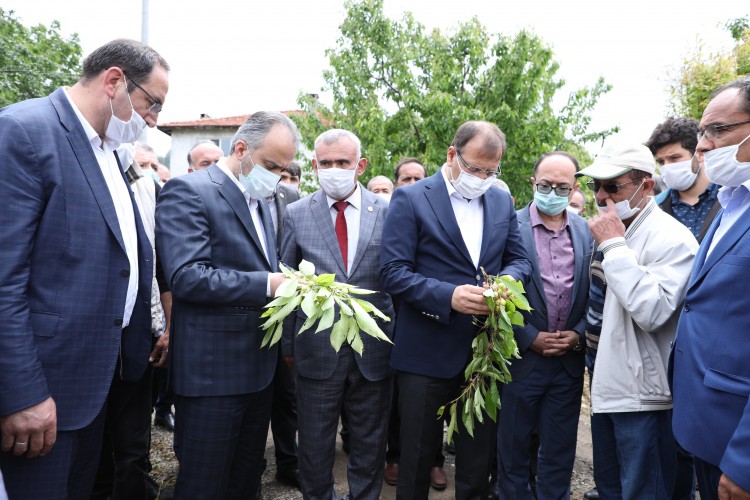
492, 350
317, 296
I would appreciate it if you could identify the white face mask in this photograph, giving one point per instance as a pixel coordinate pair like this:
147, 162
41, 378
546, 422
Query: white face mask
623, 208
470, 186
572, 210
336, 182
723, 167
679, 175
121, 131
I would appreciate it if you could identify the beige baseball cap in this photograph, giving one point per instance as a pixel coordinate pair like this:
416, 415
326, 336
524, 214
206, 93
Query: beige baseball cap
615, 160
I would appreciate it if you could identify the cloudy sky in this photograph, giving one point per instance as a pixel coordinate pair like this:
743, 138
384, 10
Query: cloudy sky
231, 57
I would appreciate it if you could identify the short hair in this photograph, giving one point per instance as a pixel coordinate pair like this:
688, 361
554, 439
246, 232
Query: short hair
204, 141
335, 135
144, 147
636, 174
743, 88
564, 154
494, 138
404, 161
294, 169
134, 58
379, 178
255, 129
674, 130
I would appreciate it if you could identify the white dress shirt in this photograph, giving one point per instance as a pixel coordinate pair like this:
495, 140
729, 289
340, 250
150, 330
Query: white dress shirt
470, 217
352, 214
120, 193
735, 202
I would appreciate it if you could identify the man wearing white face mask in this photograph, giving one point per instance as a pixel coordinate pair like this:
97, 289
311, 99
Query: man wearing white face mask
638, 277
338, 228
693, 198
711, 373
439, 234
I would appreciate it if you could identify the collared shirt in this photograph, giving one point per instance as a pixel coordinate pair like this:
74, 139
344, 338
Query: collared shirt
693, 216
470, 217
735, 201
352, 215
120, 194
554, 250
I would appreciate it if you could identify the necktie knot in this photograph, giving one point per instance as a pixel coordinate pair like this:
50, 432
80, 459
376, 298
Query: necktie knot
341, 205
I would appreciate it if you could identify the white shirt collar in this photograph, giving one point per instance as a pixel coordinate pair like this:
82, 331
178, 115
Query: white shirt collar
222, 164
448, 184
726, 193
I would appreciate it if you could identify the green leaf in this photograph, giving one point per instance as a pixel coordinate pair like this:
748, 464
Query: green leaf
367, 324
326, 320
309, 322
283, 312
278, 301
307, 268
277, 333
345, 309
287, 288
357, 344
453, 422
361, 291
353, 329
338, 334
468, 417
308, 304
516, 318
325, 279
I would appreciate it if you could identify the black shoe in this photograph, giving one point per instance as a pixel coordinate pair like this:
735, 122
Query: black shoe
592, 494
288, 478
165, 420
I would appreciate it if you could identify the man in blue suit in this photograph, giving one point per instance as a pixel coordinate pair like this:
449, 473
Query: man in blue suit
711, 373
547, 384
439, 234
75, 268
218, 248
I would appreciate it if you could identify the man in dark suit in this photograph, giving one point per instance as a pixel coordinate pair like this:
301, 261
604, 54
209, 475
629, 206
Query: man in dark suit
75, 268
711, 374
439, 234
218, 248
547, 384
338, 229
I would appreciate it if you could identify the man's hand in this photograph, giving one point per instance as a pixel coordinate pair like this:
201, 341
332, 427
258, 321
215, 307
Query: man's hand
606, 225
289, 361
554, 343
276, 279
31, 431
729, 490
160, 354
469, 299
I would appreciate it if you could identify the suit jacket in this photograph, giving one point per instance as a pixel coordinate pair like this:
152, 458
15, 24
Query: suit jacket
218, 274
309, 234
284, 196
711, 373
424, 258
63, 269
536, 320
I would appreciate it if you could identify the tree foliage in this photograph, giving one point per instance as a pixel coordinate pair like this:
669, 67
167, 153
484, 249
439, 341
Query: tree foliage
700, 73
34, 61
404, 91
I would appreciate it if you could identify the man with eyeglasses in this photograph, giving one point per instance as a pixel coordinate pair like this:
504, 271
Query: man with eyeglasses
639, 272
75, 268
439, 235
711, 373
547, 385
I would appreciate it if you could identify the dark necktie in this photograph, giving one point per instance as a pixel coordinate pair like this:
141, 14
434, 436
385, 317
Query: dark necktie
341, 234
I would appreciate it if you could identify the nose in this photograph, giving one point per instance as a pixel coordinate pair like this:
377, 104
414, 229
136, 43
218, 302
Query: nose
601, 197
704, 144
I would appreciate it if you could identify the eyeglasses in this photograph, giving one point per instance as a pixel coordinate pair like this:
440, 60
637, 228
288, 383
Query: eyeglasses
476, 170
559, 190
713, 131
156, 106
595, 186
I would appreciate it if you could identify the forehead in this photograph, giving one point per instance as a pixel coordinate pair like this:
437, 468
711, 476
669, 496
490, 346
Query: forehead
278, 145
672, 150
724, 108
143, 155
206, 150
157, 83
342, 148
411, 169
556, 166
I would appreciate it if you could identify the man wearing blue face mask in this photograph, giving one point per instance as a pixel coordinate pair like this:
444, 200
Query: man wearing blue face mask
638, 278
692, 197
548, 379
711, 373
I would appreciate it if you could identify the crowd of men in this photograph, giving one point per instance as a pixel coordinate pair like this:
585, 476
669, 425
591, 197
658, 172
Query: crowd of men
121, 292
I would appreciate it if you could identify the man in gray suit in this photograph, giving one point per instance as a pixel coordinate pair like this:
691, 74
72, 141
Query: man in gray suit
338, 229
547, 385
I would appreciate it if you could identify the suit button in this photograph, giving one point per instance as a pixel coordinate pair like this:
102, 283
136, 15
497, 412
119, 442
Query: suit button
125, 273
687, 308
118, 322
478, 277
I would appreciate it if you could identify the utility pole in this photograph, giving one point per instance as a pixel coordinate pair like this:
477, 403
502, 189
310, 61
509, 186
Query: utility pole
144, 40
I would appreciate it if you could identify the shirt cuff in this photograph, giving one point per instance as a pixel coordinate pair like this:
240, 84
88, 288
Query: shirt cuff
268, 286
607, 245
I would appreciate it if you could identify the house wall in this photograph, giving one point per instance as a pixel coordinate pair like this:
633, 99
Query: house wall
185, 138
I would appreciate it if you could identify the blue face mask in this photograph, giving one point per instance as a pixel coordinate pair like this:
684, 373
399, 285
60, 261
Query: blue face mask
550, 203
260, 183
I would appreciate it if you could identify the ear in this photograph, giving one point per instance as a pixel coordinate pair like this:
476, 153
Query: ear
648, 186
112, 79
451, 155
315, 166
533, 182
361, 166
240, 148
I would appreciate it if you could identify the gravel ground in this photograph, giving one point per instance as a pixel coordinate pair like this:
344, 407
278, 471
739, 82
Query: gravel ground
165, 466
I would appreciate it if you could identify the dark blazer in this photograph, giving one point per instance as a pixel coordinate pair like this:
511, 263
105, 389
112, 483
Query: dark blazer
309, 234
711, 373
218, 273
63, 269
284, 196
666, 206
536, 320
424, 258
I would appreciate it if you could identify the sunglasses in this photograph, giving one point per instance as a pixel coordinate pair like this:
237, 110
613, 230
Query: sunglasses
595, 186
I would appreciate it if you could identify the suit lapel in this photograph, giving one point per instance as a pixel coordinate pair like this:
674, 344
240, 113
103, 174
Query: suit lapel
322, 215
232, 194
578, 252
368, 216
437, 196
724, 245
527, 236
265, 218
490, 204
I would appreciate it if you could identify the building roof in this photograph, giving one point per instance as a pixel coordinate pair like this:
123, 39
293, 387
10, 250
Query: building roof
206, 122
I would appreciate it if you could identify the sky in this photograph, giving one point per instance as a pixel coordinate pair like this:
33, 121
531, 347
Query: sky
233, 57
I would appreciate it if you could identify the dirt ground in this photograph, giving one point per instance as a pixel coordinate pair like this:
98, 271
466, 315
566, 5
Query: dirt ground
165, 466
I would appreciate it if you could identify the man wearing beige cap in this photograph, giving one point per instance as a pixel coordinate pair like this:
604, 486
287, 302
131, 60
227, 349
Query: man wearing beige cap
642, 260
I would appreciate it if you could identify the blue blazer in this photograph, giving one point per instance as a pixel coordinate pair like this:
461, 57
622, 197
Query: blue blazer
711, 371
536, 320
218, 273
424, 258
63, 269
